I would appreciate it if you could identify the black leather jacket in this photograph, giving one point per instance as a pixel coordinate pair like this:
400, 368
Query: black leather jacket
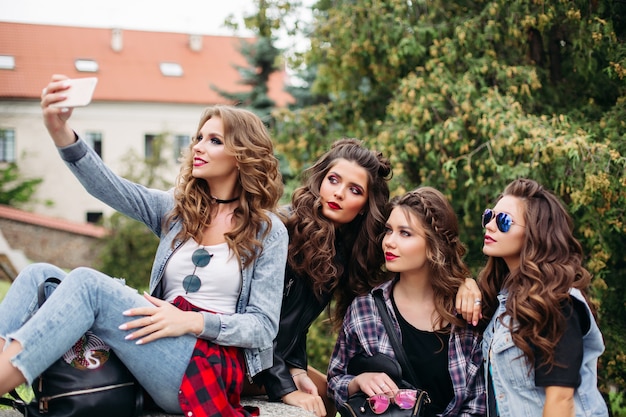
299, 309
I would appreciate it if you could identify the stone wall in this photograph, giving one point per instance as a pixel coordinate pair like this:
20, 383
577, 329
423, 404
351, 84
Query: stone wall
266, 409
65, 249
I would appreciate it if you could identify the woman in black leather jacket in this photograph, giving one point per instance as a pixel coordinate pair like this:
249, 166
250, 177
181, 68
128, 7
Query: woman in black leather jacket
335, 228
335, 225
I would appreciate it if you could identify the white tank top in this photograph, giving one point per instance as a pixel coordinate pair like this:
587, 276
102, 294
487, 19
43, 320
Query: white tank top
220, 280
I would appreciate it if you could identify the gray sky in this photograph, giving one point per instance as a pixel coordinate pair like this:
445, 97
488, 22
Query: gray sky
203, 17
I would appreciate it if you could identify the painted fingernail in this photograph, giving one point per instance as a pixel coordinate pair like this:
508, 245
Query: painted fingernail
126, 313
123, 327
139, 342
128, 337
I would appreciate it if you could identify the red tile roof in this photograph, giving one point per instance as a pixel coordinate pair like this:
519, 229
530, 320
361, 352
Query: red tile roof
86, 229
133, 74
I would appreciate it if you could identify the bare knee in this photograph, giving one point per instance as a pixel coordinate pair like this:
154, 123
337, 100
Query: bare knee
10, 376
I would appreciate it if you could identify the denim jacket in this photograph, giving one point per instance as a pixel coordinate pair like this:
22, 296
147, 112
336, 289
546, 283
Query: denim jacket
262, 281
514, 381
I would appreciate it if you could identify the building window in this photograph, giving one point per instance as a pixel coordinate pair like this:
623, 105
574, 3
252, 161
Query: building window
7, 145
7, 62
86, 65
171, 69
94, 139
149, 143
94, 217
181, 142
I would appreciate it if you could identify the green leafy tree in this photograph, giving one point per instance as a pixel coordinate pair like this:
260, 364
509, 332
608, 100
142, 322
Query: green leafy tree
14, 188
466, 96
128, 251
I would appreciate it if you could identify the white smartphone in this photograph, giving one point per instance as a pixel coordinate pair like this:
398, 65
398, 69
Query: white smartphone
80, 92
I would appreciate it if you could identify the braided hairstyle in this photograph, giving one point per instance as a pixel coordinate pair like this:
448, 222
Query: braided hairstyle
445, 250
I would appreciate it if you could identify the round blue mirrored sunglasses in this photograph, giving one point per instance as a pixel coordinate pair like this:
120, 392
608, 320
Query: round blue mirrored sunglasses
504, 221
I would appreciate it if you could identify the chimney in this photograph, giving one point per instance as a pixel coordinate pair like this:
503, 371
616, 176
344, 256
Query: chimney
195, 43
117, 42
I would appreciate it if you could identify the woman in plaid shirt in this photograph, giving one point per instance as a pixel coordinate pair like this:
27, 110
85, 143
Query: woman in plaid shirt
421, 245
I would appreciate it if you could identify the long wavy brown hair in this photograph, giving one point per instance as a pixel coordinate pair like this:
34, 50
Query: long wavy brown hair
550, 265
260, 181
313, 251
445, 250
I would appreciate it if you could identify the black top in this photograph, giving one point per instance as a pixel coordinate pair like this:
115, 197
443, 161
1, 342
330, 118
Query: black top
569, 350
300, 307
428, 354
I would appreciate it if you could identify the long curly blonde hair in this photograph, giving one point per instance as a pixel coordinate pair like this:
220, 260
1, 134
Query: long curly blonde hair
550, 265
260, 181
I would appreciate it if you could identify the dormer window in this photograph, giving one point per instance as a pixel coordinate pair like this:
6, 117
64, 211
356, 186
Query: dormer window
86, 65
171, 69
7, 62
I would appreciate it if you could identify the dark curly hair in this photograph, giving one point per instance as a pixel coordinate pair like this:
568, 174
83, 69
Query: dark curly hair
550, 265
313, 237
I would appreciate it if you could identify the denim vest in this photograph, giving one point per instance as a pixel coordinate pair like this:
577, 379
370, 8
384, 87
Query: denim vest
514, 380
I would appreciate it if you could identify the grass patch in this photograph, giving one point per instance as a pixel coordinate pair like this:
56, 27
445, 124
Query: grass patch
24, 390
4, 287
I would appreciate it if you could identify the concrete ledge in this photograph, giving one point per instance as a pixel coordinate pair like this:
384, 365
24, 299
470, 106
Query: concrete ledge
267, 409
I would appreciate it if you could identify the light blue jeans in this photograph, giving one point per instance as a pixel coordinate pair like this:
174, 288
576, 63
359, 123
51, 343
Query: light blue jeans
89, 300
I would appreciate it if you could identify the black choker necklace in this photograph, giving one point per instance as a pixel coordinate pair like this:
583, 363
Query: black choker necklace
218, 201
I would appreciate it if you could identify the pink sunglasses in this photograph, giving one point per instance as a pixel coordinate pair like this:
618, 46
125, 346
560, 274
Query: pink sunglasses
404, 399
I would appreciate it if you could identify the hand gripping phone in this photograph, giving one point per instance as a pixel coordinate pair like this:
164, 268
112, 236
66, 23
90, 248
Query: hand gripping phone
80, 92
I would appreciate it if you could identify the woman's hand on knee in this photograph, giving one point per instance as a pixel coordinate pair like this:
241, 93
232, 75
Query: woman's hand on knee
163, 320
309, 402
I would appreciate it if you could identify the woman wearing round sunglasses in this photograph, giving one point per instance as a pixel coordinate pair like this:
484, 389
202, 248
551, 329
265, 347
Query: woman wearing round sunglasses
218, 267
422, 248
541, 342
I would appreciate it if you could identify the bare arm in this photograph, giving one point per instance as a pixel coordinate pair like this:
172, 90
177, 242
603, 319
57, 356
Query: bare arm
307, 395
559, 402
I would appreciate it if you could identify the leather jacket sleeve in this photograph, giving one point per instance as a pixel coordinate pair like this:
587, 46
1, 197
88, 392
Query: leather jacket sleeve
300, 307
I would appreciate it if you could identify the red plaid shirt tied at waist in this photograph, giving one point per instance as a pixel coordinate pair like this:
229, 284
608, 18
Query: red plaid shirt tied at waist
213, 381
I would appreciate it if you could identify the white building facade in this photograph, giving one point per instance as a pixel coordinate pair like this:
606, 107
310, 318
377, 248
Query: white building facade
151, 85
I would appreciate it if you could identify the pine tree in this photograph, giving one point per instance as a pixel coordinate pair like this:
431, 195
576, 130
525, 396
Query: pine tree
262, 57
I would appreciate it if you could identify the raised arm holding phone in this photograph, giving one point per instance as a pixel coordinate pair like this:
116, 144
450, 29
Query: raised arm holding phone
196, 313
